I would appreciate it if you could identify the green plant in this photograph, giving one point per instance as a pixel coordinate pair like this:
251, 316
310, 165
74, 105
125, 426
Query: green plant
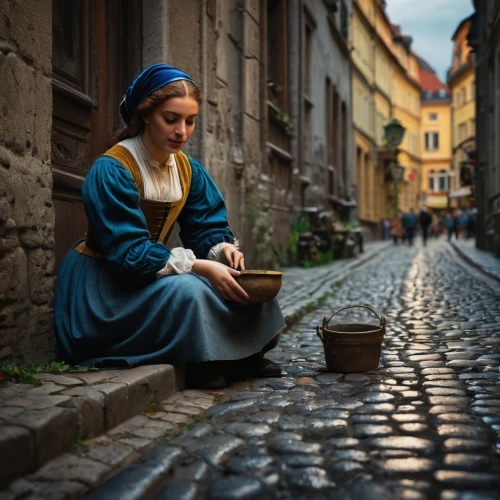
285, 120
15, 374
24, 374
350, 224
80, 445
217, 398
167, 436
153, 408
299, 225
325, 257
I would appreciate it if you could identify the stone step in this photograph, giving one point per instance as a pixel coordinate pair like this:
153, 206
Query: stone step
37, 424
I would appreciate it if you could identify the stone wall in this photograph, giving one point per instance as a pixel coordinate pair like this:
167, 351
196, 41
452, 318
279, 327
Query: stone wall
26, 211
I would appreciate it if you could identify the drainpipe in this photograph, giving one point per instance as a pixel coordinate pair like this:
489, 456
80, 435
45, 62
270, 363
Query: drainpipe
295, 24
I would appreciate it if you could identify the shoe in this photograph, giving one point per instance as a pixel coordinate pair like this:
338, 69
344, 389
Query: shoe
260, 367
201, 376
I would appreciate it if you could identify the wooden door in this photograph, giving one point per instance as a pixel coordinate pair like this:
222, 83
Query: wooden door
97, 50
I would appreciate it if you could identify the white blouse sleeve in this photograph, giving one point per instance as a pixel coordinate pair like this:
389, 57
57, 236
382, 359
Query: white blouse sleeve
181, 261
214, 252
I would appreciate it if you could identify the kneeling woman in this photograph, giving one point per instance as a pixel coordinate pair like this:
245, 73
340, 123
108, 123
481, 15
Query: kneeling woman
123, 298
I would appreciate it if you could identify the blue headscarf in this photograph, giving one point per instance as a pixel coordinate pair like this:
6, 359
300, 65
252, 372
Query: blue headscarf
152, 78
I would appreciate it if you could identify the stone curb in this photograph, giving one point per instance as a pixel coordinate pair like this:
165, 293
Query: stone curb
38, 424
463, 254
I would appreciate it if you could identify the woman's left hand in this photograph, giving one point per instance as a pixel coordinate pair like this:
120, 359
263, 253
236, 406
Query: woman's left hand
232, 257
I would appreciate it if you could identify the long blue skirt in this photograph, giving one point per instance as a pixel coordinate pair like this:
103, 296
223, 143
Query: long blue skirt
103, 321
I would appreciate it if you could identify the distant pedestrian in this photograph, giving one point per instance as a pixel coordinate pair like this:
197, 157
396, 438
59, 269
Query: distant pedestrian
386, 229
425, 220
410, 221
470, 230
450, 223
396, 229
462, 221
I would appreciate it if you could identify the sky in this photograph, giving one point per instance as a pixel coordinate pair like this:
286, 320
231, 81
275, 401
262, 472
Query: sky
431, 24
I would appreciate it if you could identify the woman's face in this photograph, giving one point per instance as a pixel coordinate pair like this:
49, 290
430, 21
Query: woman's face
171, 124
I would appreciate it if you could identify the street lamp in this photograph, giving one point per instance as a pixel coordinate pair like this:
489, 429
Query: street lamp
394, 133
397, 173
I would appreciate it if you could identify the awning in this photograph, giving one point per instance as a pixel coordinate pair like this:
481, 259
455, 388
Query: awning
463, 191
437, 200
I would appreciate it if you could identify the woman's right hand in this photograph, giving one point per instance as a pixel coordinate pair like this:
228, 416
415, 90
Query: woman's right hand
221, 277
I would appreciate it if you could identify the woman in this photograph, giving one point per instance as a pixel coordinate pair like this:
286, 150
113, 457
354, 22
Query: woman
396, 229
123, 298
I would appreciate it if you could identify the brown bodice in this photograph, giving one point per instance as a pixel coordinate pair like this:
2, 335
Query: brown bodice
160, 215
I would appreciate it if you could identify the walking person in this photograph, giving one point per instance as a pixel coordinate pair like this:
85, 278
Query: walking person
425, 220
471, 223
396, 229
386, 230
462, 221
409, 221
450, 224
123, 297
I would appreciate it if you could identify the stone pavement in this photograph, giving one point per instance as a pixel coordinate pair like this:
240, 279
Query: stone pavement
38, 424
425, 425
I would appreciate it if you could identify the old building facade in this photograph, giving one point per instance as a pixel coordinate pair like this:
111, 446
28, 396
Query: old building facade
385, 86
276, 81
462, 82
484, 38
435, 139
324, 141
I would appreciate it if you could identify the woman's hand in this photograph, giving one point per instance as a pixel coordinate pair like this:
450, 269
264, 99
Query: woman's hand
221, 278
232, 257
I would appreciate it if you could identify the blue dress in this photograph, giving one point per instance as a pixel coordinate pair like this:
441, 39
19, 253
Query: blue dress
112, 310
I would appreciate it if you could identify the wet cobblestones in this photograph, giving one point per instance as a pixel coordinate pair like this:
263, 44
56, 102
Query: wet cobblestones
425, 425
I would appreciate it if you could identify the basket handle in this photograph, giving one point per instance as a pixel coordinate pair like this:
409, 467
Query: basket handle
381, 317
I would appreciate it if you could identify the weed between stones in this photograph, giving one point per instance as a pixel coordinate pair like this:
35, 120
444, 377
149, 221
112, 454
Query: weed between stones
24, 374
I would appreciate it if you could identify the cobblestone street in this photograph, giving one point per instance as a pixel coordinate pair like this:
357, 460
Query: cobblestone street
425, 425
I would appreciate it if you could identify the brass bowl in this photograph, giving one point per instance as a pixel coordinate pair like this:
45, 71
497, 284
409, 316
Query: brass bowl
261, 286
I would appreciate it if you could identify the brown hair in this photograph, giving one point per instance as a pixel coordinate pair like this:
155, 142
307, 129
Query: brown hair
179, 88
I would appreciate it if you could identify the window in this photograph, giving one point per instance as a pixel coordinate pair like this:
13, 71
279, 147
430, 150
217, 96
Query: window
438, 181
433, 116
344, 20
442, 183
431, 141
332, 122
442, 93
462, 132
277, 53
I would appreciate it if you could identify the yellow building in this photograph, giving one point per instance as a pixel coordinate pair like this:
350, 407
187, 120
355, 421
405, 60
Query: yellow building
461, 79
385, 85
435, 139
406, 109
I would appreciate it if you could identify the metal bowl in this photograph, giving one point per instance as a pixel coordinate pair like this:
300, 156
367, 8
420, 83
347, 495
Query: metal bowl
261, 286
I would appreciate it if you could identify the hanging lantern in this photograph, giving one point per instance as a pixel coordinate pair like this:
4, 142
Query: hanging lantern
394, 133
